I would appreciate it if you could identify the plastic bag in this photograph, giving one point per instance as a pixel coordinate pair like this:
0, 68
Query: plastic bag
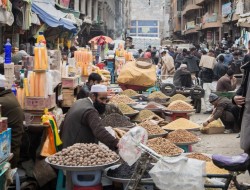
128, 148
179, 173
49, 147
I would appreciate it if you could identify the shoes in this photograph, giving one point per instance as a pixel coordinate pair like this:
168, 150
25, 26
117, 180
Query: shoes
207, 112
228, 131
238, 136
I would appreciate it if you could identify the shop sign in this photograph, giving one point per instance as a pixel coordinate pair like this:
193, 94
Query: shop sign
226, 9
210, 18
190, 25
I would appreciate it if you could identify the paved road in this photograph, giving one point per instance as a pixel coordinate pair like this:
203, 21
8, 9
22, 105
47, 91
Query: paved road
226, 144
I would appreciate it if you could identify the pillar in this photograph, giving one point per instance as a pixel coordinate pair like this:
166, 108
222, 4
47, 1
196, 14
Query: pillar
76, 5
95, 4
83, 7
102, 11
89, 8
220, 17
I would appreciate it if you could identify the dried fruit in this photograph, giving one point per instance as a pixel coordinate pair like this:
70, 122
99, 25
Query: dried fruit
121, 99
199, 156
181, 123
178, 97
182, 136
81, 154
164, 147
125, 109
157, 94
152, 129
145, 114
129, 93
116, 120
179, 105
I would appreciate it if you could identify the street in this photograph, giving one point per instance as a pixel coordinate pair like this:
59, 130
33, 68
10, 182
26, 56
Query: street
226, 144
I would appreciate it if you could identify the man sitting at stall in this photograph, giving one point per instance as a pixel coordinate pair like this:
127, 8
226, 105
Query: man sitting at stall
93, 79
82, 123
227, 82
182, 77
225, 110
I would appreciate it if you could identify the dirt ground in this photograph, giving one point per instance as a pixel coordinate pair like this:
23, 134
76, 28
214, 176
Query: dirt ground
226, 144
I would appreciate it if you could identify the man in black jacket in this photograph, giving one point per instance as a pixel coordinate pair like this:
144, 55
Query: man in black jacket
93, 79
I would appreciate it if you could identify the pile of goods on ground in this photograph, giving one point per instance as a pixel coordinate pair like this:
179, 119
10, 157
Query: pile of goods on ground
130, 93
152, 128
215, 123
210, 167
125, 171
81, 154
180, 105
181, 123
157, 94
116, 120
125, 109
178, 97
154, 106
199, 156
119, 133
121, 99
164, 147
146, 114
182, 136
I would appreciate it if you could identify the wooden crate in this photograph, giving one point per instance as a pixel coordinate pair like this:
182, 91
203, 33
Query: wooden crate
39, 103
68, 97
70, 82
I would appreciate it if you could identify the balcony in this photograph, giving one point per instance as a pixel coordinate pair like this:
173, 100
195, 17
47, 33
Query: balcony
189, 8
191, 27
211, 21
200, 2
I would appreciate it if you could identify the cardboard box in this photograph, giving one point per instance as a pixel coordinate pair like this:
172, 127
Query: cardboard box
70, 82
213, 130
5, 144
40, 103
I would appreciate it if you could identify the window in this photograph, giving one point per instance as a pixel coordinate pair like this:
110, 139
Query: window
147, 30
132, 30
147, 23
133, 22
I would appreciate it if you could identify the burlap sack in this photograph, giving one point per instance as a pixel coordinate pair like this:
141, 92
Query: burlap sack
132, 75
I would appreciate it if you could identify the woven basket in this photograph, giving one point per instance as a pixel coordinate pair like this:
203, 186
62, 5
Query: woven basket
144, 63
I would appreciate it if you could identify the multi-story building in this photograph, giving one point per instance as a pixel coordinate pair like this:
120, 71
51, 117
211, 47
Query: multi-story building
209, 20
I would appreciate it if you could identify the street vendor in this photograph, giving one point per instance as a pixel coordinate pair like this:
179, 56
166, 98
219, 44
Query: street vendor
11, 109
93, 79
182, 76
82, 123
225, 110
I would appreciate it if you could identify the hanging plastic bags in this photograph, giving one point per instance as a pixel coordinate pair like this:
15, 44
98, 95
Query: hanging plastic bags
49, 147
179, 173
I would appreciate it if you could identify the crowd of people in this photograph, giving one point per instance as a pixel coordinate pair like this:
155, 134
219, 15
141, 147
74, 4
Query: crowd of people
214, 70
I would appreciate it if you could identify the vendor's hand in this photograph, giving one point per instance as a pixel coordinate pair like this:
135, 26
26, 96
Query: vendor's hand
239, 100
205, 123
234, 80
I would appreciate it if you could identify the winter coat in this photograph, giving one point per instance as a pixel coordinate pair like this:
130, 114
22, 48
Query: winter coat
244, 91
192, 63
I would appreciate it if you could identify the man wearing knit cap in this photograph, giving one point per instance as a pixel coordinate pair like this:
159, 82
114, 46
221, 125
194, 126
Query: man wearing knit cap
82, 123
225, 110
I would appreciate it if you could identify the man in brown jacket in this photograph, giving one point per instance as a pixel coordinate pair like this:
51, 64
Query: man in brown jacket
83, 124
227, 82
13, 111
225, 110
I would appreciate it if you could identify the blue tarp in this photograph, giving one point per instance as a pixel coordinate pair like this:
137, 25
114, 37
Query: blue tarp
50, 15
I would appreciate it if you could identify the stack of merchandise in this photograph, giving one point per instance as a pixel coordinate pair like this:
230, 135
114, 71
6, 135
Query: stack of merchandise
5, 139
84, 61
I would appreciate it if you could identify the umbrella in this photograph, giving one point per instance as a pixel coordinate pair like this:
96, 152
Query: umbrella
105, 39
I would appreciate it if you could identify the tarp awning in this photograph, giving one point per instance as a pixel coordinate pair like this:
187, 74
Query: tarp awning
50, 15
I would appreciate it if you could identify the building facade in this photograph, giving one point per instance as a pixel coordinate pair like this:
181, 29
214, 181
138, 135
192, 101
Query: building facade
209, 20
